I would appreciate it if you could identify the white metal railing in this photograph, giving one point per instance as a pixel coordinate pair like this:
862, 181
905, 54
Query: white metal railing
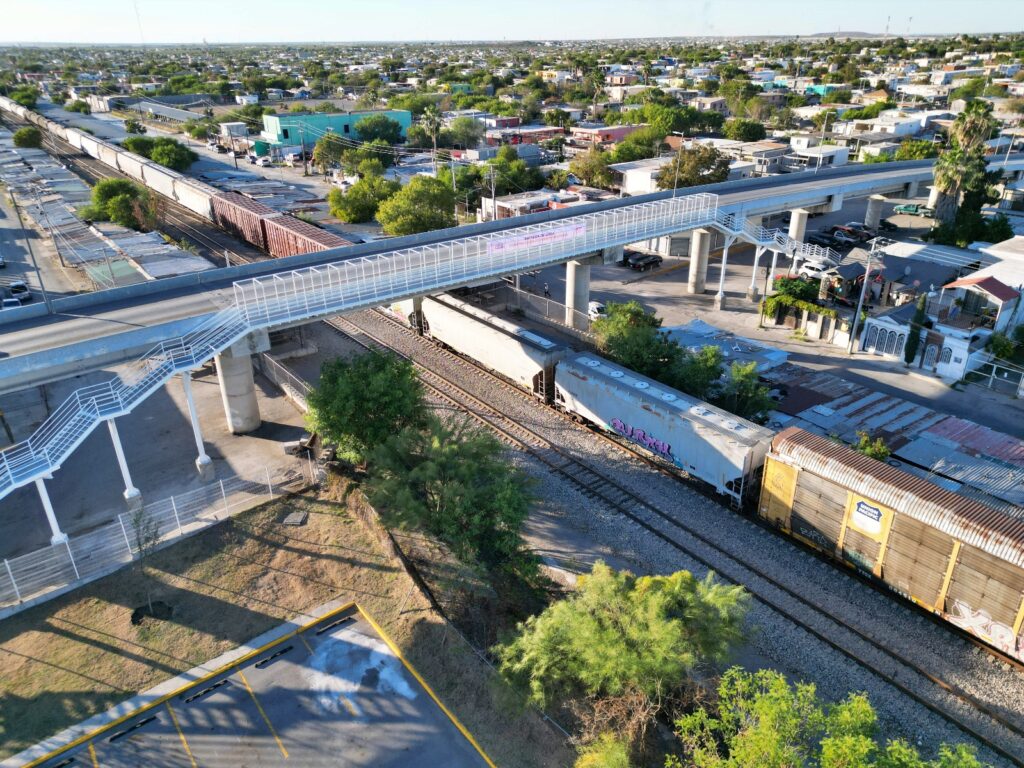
737, 224
28, 578
300, 295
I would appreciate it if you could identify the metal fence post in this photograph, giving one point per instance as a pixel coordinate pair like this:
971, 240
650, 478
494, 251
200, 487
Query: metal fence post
174, 509
224, 496
17, 592
127, 541
270, 485
67, 544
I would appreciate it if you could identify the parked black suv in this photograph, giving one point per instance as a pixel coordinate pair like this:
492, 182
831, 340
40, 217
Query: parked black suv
820, 238
643, 261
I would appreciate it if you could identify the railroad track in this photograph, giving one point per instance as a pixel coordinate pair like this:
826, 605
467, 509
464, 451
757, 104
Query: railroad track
907, 676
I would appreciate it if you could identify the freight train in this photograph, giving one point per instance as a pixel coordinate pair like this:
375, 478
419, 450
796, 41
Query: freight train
951, 555
272, 231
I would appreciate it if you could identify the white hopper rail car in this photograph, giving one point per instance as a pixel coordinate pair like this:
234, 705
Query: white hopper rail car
721, 449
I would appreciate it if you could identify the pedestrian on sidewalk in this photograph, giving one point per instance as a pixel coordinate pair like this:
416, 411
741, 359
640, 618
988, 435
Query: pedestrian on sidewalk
547, 293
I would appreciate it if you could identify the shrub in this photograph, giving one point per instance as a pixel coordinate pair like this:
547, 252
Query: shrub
28, 137
78, 106
1000, 345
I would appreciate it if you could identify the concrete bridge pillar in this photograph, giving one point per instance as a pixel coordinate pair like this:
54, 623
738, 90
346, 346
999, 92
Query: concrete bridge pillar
720, 296
238, 391
798, 224
874, 212
700, 245
417, 311
910, 189
131, 494
613, 254
753, 293
934, 195
204, 464
57, 536
771, 281
577, 292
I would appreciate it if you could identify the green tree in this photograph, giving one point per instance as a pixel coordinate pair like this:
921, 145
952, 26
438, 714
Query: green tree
916, 329
691, 167
642, 143
134, 126
422, 205
636, 640
361, 201
28, 137
452, 479
557, 179
360, 402
326, 107
916, 149
592, 168
744, 130
78, 106
327, 152
122, 202
169, 153
466, 132
875, 449
379, 127
743, 394
26, 96
761, 721
140, 145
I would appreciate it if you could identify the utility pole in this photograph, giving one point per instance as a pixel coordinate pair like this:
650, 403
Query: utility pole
233, 151
455, 192
679, 155
821, 146
860, 303
302, 144
494, 199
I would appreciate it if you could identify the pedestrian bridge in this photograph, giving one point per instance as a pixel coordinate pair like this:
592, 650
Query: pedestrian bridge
302, 295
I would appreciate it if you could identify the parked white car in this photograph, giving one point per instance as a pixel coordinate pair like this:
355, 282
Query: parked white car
814, 269
595, 310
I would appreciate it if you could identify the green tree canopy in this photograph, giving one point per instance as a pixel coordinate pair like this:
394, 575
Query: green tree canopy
379, 127
916, 329
29, 136
691, 167
641, 143
621, 634
744, 130
453, 480
743, 394
916, 149
761, 721
362, 401
26, 96
171, 154
327, 152
422, 205
361, 201
466, 131
592, 168
123, 202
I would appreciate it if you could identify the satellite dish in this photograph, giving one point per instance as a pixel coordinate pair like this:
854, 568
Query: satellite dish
906, 270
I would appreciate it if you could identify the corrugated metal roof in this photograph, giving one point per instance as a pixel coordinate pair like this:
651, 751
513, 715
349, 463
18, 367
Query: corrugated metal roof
967, 520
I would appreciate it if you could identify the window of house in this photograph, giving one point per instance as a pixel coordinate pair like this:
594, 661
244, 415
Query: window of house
284, 133
346, 127
946, 355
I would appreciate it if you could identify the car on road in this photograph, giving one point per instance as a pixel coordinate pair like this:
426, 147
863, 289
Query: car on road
10, 304
644, 261
820, 238
596, 310
222, 149
860, 228
843, 237
913, 209
814, 269
19, 291
887, 226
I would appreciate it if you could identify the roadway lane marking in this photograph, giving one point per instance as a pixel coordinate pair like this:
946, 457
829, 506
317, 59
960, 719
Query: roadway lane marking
305, 642
92, 755
263, 714
181, 734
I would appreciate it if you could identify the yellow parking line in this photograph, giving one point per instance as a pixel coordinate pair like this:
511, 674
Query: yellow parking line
92, 754
349, 706
263, 714
181, 734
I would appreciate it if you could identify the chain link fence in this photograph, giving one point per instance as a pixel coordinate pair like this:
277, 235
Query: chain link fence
295, 388
28, 579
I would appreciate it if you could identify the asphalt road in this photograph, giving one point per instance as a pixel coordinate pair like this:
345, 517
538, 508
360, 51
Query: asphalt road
15, 241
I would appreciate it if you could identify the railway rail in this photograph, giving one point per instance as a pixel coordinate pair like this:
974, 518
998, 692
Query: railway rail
999, 733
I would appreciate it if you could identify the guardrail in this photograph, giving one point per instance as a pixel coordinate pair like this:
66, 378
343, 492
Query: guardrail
301, 295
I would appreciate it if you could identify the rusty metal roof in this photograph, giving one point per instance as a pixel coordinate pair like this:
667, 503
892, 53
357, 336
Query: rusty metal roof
967, 520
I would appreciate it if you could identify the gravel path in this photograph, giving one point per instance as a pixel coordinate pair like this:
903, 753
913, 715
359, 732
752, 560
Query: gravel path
572, 530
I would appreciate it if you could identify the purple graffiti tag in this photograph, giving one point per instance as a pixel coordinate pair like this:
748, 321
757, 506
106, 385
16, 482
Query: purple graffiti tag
642, 438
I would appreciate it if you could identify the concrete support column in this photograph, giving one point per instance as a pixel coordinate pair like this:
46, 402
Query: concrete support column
753, 293
700, 245
417, 311
775, 259
577, 293
934, 195
238, 392
613, 254
874, 212
798, 223
720, 296
131, 494
911, 189
203, 463
57, 536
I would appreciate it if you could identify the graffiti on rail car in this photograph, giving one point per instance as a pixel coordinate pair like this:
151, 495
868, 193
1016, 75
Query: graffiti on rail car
641, 437
980, 623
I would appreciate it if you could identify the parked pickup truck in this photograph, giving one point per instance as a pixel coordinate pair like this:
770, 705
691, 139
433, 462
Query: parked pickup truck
913, 209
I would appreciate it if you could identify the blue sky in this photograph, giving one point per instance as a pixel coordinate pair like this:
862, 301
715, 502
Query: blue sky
190, 21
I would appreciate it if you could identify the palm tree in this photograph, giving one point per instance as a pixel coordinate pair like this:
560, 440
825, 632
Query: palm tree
974, 126
431, 120
647, 71
956, 170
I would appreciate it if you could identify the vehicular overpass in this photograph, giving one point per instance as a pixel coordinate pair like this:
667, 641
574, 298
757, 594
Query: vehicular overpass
275, 294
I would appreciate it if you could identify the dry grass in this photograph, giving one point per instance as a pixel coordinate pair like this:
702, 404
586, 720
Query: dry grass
78, 655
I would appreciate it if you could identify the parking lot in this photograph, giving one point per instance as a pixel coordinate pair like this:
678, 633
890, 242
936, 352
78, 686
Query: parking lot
333, 693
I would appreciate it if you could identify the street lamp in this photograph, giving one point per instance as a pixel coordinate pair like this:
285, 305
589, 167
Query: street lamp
822, 145
679, 154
